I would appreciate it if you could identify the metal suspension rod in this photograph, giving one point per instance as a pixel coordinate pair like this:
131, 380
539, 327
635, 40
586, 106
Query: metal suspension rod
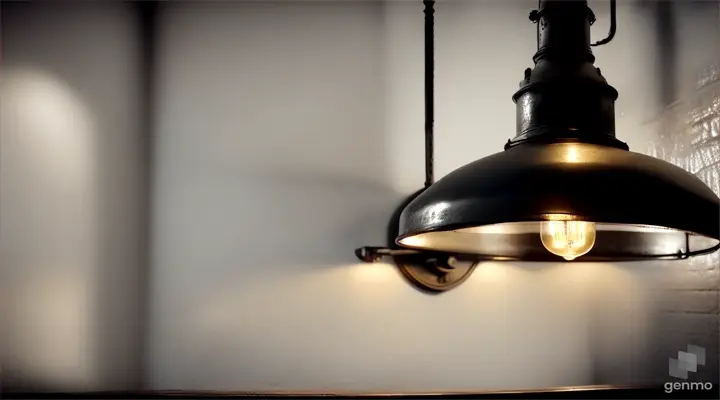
429, 92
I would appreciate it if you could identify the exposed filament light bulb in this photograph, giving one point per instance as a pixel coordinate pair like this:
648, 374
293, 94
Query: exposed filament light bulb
568, 239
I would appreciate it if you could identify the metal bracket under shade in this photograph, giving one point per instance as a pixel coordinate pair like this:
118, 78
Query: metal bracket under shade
427, 271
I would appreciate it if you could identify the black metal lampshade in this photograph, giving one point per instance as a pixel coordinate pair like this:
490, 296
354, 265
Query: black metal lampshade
565, 187
494, 208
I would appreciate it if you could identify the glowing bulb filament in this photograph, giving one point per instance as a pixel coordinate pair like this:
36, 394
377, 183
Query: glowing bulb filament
568, 239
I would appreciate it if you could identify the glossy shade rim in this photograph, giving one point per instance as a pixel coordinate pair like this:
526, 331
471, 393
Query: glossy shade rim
638, 241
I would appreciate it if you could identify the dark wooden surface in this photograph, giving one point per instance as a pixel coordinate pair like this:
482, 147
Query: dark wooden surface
585, 392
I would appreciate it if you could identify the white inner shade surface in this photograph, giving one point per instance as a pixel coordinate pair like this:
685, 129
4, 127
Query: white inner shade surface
522, 240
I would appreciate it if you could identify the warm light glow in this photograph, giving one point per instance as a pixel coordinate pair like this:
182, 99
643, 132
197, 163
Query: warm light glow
568, 239
572, 155
374, 273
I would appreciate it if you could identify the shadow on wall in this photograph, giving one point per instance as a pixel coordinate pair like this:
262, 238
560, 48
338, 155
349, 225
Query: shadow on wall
71, 194
271, 169
275, 143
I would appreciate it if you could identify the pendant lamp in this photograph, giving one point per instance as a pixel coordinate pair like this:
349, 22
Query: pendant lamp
564, 188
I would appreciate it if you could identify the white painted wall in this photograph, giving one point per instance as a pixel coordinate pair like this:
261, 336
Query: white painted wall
287, 133
70, 195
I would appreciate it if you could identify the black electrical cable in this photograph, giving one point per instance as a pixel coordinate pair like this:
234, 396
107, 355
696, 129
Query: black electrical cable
613, 25
429, 92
